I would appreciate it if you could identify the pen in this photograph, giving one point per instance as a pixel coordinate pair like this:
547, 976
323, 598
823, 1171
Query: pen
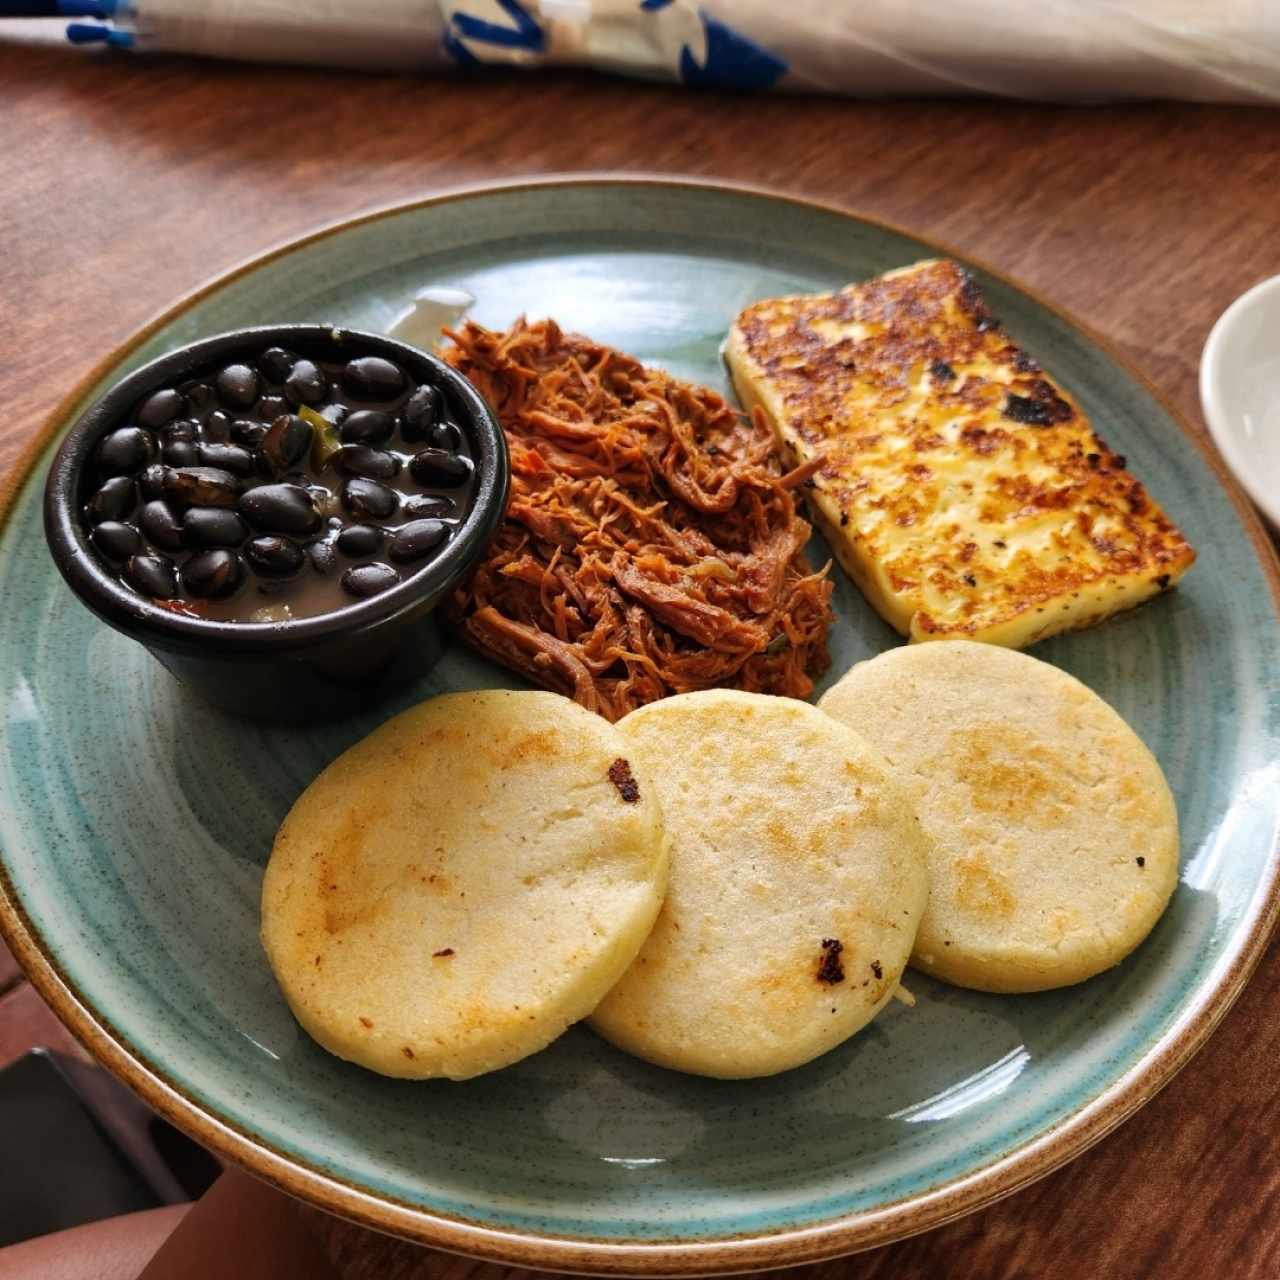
373, 34
58, 8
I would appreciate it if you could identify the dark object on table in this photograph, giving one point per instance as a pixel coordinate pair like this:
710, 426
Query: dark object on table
79, 1147
184, 589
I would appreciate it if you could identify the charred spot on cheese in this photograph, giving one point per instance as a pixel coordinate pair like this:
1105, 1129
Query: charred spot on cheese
444, 951
830, 970
995, 474
621, 777
877, 970
1035, 412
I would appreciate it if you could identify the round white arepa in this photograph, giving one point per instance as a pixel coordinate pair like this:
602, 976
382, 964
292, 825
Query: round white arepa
1053, 833
458, 888
797, 882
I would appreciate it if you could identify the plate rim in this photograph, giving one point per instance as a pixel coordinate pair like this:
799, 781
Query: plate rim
788, 1246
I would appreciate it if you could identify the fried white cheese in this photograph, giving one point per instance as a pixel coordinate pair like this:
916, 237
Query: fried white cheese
962, 488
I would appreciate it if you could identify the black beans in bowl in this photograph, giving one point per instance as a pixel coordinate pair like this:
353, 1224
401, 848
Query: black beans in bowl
319, 452
275, 512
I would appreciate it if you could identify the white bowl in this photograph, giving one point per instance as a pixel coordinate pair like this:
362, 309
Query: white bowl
1240, 392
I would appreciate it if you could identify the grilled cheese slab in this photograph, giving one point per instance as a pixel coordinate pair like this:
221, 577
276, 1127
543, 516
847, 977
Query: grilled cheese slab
961, 487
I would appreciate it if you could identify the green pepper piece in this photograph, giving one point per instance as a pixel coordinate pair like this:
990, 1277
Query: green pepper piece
325, 441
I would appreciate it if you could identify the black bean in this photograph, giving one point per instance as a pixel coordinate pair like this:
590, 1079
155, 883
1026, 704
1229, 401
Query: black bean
152, 480
153, 576
274, 557
161, 407
181, 453
287, 441
237, 385
201, 487
420, 412
358, 540
306, 384
446, 436
186, 430
367, 426
125, 451
373, 464
373, 378
427, 506
271, 407
200, 398
114, 501
435, 467
414, 540
213, 527
161, 525
280, 508
276, 363
213, 573
217, 427
116, 541
368, 499
249, 434
322, 556
369, 579
229, 457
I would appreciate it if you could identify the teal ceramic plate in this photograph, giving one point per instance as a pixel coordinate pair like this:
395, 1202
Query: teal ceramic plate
135, 821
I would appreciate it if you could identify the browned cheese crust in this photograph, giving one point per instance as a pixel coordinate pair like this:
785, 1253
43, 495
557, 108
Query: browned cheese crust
960, 485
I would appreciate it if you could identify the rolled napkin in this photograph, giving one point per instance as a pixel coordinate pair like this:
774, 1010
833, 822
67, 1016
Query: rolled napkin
1065, 50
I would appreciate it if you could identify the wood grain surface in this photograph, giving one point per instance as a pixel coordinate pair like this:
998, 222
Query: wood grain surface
10, 974
125, 182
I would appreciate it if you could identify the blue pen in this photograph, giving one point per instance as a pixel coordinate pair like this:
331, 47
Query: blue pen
112, 11
395, 35
58, 8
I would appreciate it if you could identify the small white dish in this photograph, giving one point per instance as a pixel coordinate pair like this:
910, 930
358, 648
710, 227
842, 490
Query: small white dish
1240, 392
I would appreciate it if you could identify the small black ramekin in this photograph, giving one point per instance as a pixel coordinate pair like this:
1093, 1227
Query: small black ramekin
311, 668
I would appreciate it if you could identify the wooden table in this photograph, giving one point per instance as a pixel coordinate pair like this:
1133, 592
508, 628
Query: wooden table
124, 183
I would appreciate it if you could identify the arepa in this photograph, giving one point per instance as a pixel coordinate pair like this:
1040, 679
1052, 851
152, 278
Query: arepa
797, 882
1053, 833
458, 888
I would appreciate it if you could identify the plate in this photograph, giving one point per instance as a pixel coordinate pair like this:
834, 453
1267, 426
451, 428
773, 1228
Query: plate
135, 821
